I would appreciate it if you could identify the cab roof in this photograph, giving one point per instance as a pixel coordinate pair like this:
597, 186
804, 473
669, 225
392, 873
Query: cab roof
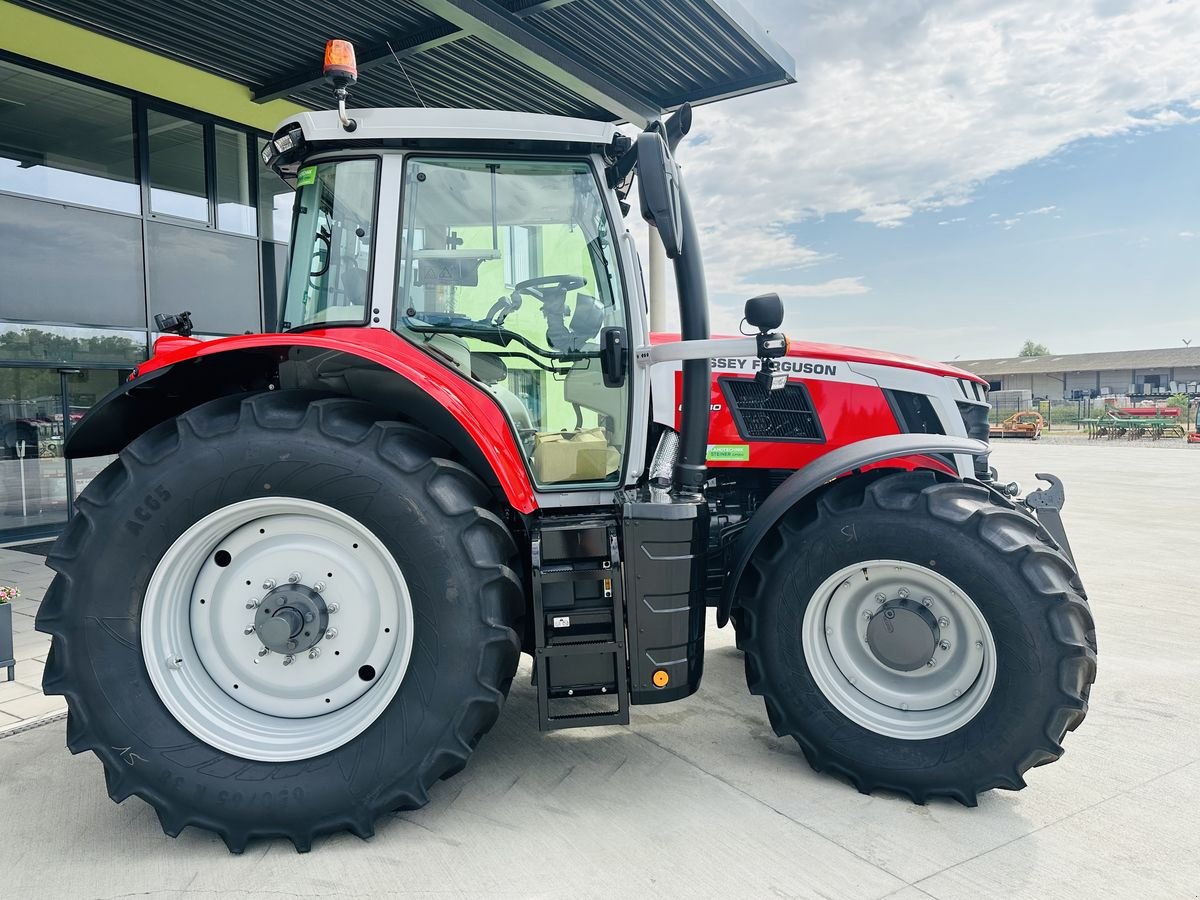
451, 125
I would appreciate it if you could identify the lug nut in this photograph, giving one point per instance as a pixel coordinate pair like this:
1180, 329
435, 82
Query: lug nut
319, 586
881, 597
291, 645
331, 633
866, 614
288, 660
932, 662
249, 629
308, 617
903, 592
314, 652
263, 652
268, 584
945, 645
332, 608
252, 603
294, 577
927, 602
943, 621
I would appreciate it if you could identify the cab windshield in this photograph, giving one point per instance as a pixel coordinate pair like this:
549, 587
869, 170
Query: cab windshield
332, 244
507, 272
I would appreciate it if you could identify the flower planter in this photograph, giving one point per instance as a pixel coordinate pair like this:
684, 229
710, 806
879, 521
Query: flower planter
6, 641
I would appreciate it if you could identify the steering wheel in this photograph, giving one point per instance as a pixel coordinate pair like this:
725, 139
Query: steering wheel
549, 284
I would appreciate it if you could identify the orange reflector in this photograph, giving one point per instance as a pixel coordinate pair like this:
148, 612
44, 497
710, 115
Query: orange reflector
340, 62
660, 678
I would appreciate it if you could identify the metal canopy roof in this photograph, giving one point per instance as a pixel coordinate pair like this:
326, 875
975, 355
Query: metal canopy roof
601, 59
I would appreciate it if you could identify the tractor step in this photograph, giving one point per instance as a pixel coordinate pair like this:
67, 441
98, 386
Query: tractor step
580, 667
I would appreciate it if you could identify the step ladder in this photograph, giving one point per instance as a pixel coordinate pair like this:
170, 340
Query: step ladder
580, 662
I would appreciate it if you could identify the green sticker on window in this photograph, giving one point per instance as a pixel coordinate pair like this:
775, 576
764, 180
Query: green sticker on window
307, 175
735, 452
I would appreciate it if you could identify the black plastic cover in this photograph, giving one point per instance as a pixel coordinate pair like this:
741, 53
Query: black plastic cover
665, 546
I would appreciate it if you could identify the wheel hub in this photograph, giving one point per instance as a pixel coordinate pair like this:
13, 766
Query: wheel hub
899, 649
903, 635
242, 648
292, 618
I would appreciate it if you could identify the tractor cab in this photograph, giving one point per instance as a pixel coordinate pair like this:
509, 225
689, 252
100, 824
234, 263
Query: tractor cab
504, 261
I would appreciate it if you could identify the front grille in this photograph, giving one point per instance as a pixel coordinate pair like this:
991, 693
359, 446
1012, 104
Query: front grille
762, 414
975, 420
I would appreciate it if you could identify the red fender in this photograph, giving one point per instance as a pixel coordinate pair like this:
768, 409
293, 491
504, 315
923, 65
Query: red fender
472, 407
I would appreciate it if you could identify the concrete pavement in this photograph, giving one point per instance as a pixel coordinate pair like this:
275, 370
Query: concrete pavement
700, 798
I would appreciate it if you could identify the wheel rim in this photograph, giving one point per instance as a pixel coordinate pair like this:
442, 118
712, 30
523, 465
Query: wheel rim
232, 595
865, 632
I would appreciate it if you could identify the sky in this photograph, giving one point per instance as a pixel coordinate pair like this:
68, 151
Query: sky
948, 179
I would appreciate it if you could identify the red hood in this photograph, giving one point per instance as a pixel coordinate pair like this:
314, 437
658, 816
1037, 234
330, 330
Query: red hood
838, 352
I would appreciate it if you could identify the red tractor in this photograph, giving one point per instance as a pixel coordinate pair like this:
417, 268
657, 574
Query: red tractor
297, 598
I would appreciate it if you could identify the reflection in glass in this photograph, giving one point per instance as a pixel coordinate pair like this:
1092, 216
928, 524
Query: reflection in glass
33, 474
177, 179
84, 390
65, 264
63, 141
213, 275
58, 344
235, 209
275, 198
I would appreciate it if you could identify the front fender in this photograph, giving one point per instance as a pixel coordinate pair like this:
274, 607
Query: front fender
185, 373
804, 481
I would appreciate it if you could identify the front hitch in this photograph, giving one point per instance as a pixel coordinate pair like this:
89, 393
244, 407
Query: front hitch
1046, 504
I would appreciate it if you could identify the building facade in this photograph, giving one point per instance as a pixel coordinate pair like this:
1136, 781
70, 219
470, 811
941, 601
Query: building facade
1137, 374
130, 185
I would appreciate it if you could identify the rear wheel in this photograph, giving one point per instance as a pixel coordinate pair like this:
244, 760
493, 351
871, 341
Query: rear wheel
278, 616
919, 635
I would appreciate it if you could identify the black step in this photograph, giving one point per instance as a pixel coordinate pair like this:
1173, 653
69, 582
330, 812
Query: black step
580, 667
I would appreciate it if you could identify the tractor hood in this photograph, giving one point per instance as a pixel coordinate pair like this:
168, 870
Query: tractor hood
841, 353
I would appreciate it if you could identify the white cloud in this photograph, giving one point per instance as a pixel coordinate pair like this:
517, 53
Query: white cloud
1041, 211
1188, 235
886, 215
902, 108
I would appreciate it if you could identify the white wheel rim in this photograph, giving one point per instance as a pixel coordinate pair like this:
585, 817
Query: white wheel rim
938, 697
209, 668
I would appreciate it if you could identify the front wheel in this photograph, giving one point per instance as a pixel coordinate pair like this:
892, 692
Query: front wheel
918, 635
279, 616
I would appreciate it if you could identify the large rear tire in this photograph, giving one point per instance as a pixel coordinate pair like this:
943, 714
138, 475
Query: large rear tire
918, 635
184, 676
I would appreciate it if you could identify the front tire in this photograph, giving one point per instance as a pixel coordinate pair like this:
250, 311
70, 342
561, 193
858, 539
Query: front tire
983, 663
180, 675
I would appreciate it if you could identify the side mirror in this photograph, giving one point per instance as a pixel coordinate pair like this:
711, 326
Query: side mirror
658, 188
614, 355
765, 312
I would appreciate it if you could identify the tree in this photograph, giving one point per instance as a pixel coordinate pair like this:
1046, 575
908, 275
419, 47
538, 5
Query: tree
1029, 348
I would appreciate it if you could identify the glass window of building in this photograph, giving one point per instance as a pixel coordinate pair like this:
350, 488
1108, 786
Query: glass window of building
64, 141
177, 173
235, 208
274, 203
